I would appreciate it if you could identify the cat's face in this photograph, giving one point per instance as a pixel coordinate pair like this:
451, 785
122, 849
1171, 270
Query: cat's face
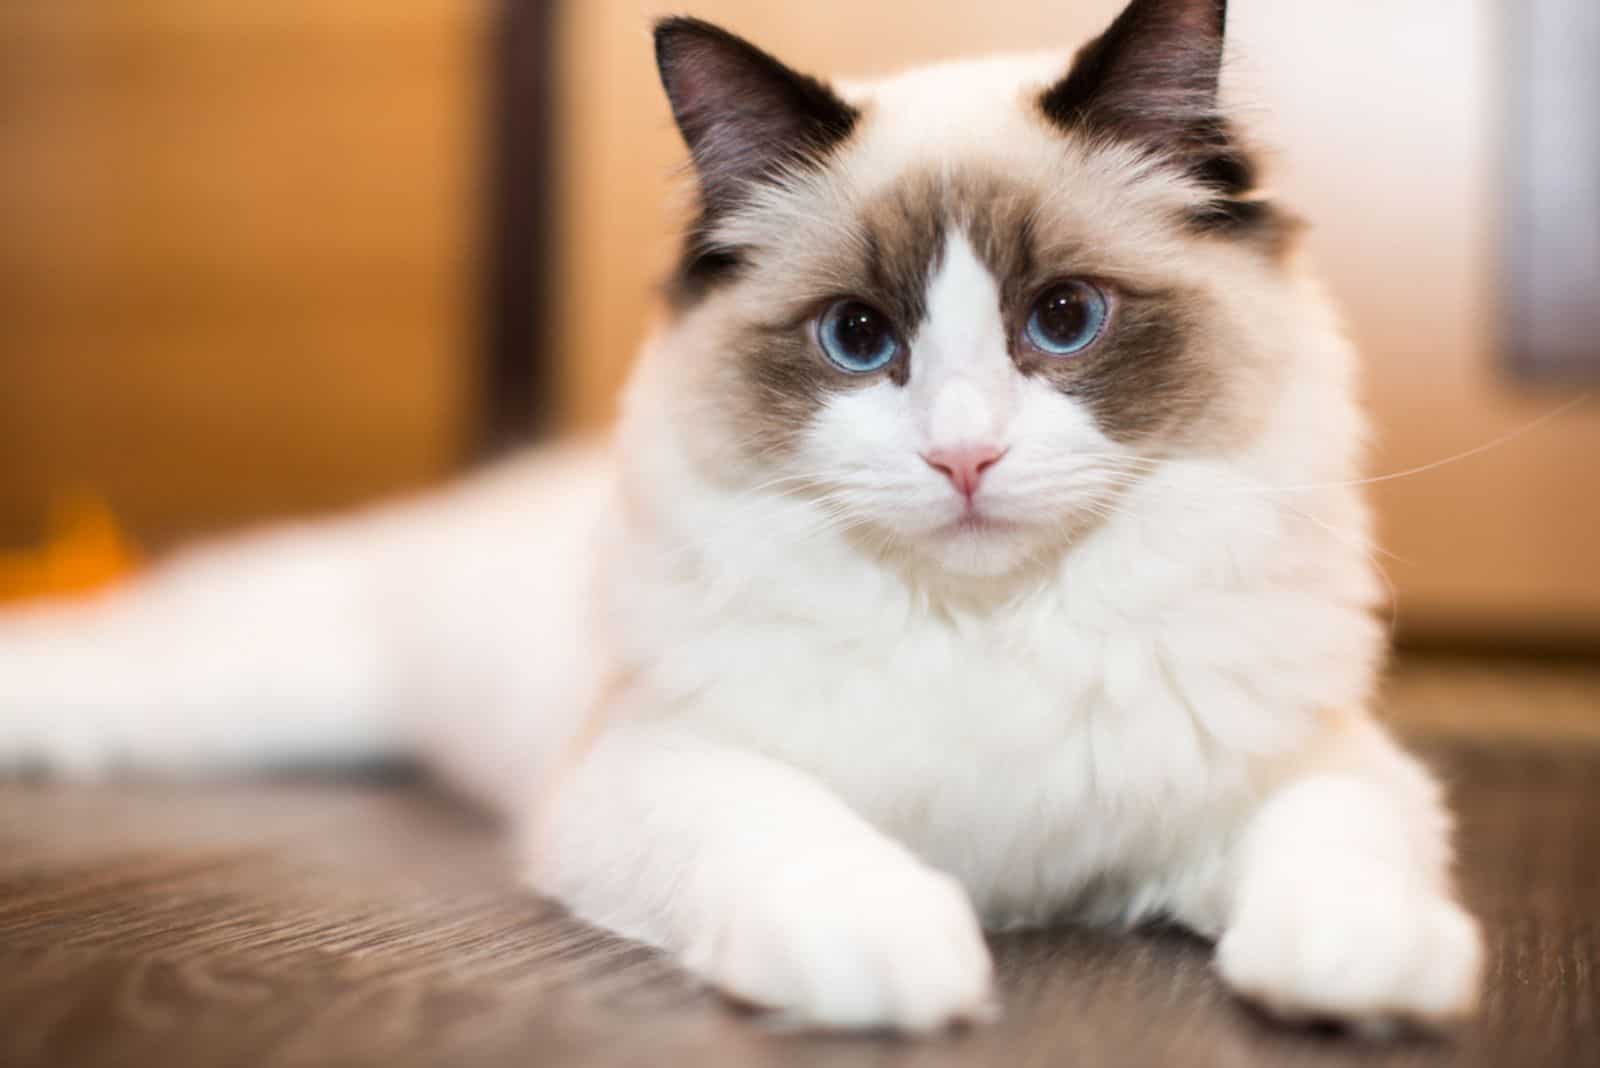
965, 309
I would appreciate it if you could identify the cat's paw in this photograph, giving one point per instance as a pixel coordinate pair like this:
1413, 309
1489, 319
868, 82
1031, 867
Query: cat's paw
890, 947
1368, 952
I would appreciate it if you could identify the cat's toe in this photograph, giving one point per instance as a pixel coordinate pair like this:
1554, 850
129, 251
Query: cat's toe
896, 950
1374, 957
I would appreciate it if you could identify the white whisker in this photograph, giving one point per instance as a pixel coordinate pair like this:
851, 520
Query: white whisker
1502, 440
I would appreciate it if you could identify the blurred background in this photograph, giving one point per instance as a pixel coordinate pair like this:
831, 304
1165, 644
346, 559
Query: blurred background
264, 258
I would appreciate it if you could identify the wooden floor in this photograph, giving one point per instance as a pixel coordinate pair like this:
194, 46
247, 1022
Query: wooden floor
353, 922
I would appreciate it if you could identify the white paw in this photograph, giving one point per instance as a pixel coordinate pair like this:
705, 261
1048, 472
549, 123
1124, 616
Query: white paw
1359, 947
892, 947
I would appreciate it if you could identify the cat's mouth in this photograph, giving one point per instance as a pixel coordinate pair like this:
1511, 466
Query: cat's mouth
974, 522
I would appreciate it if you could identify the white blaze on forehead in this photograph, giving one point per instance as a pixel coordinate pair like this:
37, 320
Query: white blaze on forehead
963, 384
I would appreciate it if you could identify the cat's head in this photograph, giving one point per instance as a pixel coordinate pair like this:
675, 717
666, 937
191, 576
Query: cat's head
967, 307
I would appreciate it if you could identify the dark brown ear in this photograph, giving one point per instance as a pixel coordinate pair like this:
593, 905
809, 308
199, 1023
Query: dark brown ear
1152, 79
744, 114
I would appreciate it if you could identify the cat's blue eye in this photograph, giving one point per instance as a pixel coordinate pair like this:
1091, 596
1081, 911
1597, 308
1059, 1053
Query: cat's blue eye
857, 337
1068, 318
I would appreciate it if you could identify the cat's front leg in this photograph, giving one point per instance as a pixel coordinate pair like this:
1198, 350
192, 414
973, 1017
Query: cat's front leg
762, 882
1341, 903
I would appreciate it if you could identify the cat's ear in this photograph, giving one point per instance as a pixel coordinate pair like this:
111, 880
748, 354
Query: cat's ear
744, 114
1152, 78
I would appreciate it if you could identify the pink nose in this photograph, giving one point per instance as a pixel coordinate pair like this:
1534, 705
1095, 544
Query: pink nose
964, 465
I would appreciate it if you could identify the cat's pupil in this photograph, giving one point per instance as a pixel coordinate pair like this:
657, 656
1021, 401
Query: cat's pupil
1064, 315
862, 332
856, 337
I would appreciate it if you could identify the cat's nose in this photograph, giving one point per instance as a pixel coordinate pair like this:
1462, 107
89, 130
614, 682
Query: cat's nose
964, 465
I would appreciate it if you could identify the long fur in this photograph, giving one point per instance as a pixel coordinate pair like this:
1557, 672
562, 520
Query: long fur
750, 697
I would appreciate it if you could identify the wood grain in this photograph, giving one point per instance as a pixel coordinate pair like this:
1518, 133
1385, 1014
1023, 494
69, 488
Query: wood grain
314, 923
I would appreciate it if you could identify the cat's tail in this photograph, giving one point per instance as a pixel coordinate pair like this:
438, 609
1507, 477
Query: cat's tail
250, 653
449, 622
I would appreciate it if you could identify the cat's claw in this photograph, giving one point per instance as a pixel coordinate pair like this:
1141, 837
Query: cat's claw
1370, 955
896, 949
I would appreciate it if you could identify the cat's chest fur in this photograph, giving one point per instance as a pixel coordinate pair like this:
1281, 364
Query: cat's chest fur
1054, 753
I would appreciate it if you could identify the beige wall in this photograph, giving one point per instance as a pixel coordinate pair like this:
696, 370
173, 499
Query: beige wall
1385, 114
1399, 162
236, 276
236, 270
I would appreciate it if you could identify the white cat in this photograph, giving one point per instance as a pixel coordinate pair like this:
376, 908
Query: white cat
980, 544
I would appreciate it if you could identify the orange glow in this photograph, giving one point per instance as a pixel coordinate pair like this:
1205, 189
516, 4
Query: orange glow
84, 549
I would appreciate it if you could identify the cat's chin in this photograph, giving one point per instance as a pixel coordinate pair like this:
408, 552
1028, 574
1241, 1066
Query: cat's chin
977, 547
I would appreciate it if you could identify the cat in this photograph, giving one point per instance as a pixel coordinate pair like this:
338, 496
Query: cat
980, 545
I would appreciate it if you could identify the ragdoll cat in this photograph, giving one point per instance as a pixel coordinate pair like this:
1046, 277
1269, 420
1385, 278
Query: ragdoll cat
980, 545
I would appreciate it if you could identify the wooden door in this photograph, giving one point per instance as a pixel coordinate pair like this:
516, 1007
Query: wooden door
237, 276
